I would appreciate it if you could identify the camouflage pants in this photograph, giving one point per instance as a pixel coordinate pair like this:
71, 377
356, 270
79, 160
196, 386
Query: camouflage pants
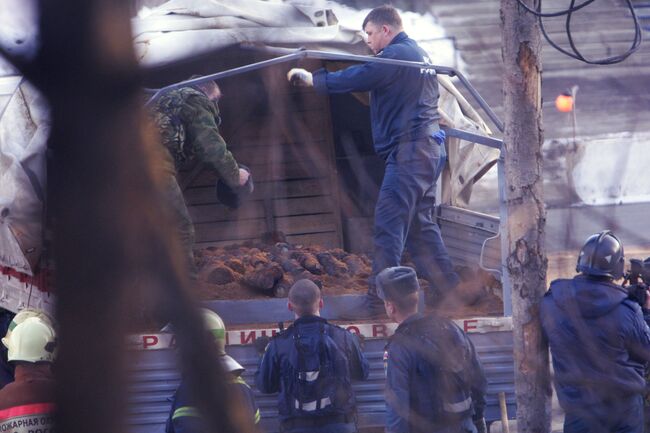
180, 217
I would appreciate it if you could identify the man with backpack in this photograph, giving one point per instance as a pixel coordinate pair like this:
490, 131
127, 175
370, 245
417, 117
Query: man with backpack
188, 121
311, 365
434, 379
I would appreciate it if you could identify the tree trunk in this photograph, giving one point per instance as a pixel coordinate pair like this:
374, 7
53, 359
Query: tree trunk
526, 262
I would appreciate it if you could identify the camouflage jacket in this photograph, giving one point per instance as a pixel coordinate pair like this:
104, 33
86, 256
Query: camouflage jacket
188, 123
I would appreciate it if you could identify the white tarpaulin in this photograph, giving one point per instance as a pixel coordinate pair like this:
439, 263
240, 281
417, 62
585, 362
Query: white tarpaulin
23, 135
179, 28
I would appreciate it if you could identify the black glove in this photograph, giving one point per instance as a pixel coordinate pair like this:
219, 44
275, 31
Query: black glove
481, 427
233, 197
260, 344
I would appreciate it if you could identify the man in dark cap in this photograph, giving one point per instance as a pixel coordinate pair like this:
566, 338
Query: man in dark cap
434, 379
314, 397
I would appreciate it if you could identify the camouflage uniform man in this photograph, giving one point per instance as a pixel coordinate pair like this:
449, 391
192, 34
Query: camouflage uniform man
188, 120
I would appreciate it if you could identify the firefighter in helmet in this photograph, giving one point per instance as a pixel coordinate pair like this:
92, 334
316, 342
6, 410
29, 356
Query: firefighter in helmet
184, 417
31, 345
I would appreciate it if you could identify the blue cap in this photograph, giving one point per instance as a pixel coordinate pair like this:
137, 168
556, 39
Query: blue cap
396, 282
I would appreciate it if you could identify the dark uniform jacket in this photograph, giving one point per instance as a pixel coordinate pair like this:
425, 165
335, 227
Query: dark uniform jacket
27, 404
403, 100
185, 418
599, 341
410, 403
6, 369
276, 374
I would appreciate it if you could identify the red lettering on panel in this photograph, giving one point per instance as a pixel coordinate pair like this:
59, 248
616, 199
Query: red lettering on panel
247, 339
353, 329
149, 340
379, 330
469, 325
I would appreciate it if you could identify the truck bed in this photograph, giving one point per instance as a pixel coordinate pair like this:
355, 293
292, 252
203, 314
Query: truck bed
155, 376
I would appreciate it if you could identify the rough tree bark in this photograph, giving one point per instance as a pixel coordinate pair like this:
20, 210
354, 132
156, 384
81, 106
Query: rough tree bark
109, 235
526, 263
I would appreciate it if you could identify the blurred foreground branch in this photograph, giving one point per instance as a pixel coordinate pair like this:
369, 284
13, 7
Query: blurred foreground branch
111, 238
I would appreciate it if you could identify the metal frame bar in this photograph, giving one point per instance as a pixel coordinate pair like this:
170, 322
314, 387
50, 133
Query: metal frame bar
503, 230
494, 143
325, 55
445, 70
224, 74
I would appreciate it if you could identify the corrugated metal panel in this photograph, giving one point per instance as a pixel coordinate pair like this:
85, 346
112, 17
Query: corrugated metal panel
464, 232
155, 378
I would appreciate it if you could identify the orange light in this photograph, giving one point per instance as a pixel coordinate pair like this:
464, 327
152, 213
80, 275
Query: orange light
564, 103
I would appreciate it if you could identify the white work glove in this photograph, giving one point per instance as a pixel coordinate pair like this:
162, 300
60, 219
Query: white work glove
300, 77
243, 176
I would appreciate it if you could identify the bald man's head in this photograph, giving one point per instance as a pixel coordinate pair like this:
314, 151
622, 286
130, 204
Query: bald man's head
304, 298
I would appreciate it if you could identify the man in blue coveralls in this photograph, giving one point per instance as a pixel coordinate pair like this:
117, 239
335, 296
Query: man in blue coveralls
404, 113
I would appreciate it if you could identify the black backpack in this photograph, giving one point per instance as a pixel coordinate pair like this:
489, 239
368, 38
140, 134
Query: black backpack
443, 350
320, 384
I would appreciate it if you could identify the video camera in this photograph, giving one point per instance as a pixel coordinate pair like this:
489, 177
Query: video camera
637, 280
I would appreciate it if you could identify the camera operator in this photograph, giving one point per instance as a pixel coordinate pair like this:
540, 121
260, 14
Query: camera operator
599, 341
636, 282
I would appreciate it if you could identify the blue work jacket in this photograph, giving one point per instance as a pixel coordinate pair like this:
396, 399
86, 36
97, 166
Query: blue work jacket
403, 100
599, 341
276, 372
411, 399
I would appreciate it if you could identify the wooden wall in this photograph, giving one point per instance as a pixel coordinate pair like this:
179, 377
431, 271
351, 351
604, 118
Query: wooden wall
284, 135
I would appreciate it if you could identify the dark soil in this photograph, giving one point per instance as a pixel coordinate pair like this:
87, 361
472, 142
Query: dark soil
258, 271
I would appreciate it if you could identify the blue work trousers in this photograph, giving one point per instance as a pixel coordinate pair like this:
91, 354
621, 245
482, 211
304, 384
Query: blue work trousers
404, 214
624, 415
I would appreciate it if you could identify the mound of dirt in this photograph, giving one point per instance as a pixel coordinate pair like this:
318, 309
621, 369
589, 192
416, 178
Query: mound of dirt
257, 270
249, 271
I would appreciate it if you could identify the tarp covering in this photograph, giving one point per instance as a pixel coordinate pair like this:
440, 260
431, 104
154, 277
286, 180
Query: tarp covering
182, 27
23, 135
468, 161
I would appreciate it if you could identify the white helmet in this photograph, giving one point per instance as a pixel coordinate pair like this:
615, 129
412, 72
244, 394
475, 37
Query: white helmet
32, 340
217, 328
21, 316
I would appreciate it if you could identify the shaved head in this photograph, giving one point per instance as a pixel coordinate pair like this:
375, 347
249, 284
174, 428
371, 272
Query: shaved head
304, 297
210, 88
